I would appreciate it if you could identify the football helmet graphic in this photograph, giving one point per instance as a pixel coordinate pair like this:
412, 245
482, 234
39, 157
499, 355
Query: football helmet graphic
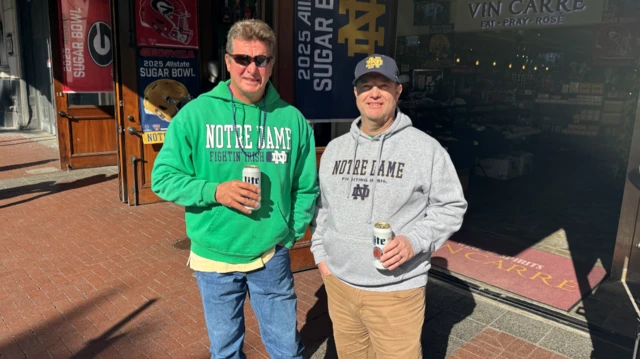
169, 18
165, 97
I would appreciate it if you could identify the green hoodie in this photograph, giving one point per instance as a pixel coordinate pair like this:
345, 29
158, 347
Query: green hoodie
202, 150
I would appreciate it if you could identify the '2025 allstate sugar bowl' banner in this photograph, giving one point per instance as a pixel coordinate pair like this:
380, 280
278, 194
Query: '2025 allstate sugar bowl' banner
331, 36
167, 80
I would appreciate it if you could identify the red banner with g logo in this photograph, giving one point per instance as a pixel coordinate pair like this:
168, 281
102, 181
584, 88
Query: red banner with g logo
87, 45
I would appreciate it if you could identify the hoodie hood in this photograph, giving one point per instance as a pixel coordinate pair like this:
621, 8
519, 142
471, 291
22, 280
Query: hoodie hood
401, 122
221, 91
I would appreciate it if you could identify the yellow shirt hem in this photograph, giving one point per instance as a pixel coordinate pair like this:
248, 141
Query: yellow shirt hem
202, 264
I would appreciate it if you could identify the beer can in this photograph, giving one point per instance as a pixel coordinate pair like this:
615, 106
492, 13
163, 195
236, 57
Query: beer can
382, 234
251, 174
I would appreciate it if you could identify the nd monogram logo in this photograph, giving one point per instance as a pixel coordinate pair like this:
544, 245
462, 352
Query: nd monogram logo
374, 62
362, 192
361, 41
279, 157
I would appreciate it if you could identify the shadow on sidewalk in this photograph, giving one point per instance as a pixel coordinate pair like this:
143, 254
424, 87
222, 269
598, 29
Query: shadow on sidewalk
50, 332
28, 164
318, 328
49, 187
97, 345
445, 308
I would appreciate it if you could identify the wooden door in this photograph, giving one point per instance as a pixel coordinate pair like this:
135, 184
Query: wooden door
136, 158
86, 123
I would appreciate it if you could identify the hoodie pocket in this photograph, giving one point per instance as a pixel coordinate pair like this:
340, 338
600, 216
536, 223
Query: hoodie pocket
350, 254
233, 233
274, 228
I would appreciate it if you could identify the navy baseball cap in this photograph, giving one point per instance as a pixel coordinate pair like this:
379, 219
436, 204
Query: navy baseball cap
384, 65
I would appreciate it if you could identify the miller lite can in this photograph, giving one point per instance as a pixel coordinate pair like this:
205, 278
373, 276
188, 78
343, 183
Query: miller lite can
251, 174
382, 235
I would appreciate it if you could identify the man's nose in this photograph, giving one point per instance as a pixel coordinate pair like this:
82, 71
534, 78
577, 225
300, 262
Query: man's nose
252, 68
375, 91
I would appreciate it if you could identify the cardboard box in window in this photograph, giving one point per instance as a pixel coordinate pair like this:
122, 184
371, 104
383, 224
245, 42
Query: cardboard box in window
612, 106
501, 167
524, 161
507, 166
584, 88
597, 89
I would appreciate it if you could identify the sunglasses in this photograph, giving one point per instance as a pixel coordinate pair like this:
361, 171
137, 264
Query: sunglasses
246, 60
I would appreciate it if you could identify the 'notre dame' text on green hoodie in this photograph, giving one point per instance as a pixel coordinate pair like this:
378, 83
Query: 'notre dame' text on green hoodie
204, 147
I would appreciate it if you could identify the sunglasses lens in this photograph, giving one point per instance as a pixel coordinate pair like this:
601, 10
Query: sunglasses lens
261, 61
243, 60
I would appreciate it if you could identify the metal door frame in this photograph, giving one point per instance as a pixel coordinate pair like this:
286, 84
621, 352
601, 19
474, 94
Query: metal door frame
626, 246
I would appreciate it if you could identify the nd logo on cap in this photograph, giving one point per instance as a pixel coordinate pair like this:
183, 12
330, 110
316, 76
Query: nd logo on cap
374, 61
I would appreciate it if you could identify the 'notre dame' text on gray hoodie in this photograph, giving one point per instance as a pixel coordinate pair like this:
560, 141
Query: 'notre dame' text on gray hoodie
401, 176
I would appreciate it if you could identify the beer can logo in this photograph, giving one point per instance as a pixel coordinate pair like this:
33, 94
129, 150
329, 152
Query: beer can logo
252, 174
382, 234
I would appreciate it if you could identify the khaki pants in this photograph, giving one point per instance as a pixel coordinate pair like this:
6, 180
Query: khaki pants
375, 324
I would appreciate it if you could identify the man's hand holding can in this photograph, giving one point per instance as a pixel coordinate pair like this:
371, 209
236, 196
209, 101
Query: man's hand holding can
237, 194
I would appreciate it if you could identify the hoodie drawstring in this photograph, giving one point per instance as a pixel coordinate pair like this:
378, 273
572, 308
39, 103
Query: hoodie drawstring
375, 178
353, 161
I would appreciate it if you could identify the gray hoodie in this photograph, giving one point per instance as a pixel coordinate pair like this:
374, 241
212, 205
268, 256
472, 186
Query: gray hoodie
401, 176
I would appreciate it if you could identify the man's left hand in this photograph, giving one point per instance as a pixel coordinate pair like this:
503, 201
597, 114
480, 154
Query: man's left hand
396, 252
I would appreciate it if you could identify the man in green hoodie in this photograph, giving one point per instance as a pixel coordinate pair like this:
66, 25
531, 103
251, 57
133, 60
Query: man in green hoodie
235, 250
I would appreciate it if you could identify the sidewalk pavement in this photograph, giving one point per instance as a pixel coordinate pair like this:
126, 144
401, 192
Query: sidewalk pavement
83, 275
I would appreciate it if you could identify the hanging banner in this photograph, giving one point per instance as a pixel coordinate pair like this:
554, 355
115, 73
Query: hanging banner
331, 37
475, 15
617, 40
430, 12
167, 23
87, 46
167, 80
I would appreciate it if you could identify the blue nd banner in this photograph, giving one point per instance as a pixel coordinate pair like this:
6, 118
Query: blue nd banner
331, 37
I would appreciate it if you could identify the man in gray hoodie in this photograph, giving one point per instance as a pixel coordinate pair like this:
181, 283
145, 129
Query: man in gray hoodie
384, 170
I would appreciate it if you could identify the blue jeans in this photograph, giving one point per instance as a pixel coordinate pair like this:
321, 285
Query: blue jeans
272, 299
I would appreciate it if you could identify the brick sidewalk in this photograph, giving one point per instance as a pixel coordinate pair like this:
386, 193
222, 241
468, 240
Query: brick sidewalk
23, 156
83, 275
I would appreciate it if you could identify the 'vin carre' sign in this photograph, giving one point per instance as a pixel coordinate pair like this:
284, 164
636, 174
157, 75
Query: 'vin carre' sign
473, 15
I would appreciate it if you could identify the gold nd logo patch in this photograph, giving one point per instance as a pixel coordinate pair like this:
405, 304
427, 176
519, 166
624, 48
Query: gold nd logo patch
374, 62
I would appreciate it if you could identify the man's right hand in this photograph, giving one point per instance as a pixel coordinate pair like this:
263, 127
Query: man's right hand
237, 194
324, 270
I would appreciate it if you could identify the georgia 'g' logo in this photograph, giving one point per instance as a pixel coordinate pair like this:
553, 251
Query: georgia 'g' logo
99, 43
374, 61
163, 7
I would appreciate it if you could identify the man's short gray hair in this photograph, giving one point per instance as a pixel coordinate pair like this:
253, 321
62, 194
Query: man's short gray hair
249, 30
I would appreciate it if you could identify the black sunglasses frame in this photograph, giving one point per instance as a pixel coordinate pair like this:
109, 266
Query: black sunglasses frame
246, 60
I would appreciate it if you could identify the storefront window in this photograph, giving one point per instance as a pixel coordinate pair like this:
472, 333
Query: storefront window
91, 99
536, 108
